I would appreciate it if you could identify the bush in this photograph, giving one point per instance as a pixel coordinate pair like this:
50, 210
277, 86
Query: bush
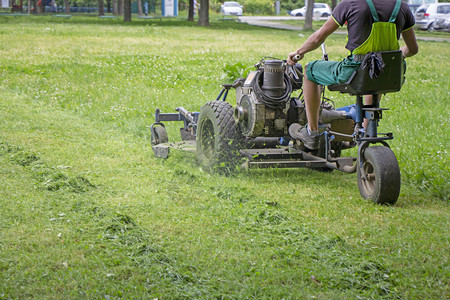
292, 4
215, 7
263, 7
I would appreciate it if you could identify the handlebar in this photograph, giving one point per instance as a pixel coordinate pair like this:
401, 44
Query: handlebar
296, 57
324, 52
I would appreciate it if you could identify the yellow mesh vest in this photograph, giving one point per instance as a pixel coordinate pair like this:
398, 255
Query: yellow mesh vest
383, 35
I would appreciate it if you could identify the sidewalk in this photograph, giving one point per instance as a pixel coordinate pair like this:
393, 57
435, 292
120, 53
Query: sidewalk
266, 21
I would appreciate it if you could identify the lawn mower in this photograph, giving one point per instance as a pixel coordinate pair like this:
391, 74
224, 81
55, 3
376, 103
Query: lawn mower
254, 133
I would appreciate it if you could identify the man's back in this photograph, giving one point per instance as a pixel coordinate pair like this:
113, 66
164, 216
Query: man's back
359, 18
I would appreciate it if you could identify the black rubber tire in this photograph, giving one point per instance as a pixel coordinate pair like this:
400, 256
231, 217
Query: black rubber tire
382, 183
159, 135
218, 137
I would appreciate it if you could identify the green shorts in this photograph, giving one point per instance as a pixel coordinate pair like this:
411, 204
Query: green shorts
325, 72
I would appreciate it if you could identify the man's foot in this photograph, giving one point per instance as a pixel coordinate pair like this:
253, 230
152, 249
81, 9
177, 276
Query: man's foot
301, 133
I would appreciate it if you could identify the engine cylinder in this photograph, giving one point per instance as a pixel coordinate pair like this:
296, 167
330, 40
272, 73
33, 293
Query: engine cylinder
273, 78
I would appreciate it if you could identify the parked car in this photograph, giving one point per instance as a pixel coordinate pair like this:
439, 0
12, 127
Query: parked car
231, 8
415, 4
320, 9
442, 23
426, 15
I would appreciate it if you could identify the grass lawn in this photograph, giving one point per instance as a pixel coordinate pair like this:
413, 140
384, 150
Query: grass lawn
87, 211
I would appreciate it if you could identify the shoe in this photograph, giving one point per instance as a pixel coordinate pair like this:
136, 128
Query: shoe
301, 133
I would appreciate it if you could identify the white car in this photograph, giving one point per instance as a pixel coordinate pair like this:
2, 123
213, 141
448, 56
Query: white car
231, 8
442, 23
426, 15
320, 9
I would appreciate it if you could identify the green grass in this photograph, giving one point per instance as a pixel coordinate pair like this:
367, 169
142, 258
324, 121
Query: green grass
89, 212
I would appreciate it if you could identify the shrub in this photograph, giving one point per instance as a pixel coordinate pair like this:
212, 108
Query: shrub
292, 4
264, 7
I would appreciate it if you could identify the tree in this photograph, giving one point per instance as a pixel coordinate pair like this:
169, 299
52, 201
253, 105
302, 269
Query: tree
120, 7
139, 3
333, 4
67, 5
309, 14
203, 14
101, 8
191, 11
127, 10
115, 7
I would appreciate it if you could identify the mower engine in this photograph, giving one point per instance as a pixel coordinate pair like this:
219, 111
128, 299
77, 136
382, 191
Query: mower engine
264, 106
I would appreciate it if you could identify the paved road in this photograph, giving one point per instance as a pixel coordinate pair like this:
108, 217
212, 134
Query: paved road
271, 22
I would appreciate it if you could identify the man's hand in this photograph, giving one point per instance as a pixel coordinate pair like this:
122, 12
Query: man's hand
293, 58
314, 40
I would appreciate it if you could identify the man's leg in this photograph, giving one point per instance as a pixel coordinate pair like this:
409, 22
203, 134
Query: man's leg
309, 135
312, 103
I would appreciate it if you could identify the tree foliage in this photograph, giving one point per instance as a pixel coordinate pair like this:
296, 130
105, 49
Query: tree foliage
263, 7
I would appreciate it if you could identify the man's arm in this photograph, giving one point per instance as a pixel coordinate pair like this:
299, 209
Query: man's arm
314, 40
411, 48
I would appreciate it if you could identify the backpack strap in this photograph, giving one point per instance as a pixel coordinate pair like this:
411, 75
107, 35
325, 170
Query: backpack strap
395, 11
373, 11
375, 14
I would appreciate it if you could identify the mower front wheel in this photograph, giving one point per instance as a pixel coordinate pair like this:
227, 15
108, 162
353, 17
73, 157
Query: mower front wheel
378, 175
218, 137
159, 135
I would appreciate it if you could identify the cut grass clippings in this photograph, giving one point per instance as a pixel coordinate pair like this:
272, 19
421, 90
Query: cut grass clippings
89, 212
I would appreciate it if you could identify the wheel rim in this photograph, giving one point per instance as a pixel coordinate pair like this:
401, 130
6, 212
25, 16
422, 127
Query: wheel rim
368, 180
207, 139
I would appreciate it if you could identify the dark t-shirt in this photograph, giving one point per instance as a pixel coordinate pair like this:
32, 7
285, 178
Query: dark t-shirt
359, 18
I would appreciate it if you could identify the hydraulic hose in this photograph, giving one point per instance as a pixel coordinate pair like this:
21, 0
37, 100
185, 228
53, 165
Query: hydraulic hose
270, 101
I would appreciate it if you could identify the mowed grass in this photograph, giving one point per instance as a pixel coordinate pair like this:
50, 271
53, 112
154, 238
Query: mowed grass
88, 211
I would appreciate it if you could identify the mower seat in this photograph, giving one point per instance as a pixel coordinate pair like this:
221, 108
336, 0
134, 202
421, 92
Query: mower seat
389, 80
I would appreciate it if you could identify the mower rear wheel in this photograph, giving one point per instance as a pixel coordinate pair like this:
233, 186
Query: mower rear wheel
218, 137
379, 175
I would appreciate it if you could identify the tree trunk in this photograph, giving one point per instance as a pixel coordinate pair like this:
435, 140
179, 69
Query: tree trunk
191, 11
67, 6
139, 3
127, 10
203, 14
309, 14
120, 4
108, 6
115, 7
29, 6
101, 8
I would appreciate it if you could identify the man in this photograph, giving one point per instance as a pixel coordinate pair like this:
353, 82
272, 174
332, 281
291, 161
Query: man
372, 25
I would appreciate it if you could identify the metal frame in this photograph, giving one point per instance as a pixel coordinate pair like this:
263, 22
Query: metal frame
283, 156
286, 156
